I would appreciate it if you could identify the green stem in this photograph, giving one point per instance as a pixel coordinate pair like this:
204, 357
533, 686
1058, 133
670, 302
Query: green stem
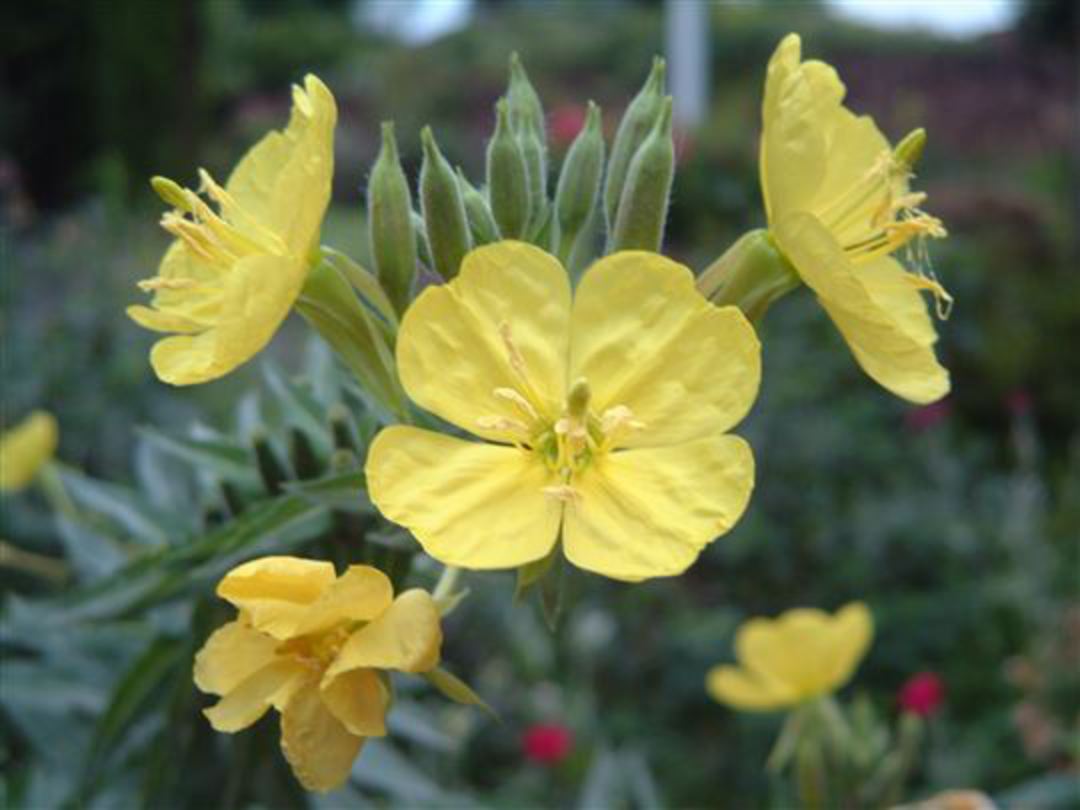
751, 275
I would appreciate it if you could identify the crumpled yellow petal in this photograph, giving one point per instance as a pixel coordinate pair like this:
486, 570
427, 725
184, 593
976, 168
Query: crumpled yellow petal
257, 295
316, 744
877, 306
696, 374
742, 690
648, 512
407, 637
272, 685
360, 594
233, 652
284, 181
359, 700
451, 349
469, 504
274, 593
25, 449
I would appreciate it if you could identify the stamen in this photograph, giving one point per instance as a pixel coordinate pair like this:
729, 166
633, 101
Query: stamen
517, 362
510, 395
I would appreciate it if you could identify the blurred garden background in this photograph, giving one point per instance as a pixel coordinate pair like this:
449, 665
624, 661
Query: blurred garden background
958, 523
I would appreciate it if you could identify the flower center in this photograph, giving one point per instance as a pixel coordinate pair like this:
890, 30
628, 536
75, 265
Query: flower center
317, 652
570, 442
878, 215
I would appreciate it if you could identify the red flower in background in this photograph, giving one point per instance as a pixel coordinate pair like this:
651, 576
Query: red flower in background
922, 694
547, 744
565, 122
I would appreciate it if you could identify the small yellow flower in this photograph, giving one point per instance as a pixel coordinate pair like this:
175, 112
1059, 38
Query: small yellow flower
25, 449
604, 415
317, 648
799, 656
232, 275
839, 205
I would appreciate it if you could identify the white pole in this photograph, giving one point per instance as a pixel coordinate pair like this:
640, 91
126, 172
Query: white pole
686, 35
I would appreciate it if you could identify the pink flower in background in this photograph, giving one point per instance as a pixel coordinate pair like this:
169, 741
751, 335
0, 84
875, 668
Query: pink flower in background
922, 694
1018, 403
547, 744
927, 417
565, 122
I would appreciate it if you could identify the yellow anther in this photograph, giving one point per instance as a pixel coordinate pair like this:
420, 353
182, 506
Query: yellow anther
577, 401
159, 283
517, 362
502, 423
512, 396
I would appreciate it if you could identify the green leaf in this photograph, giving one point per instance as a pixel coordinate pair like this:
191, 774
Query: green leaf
365, 283
136, 691
456, 689
299, 406
144, 523
531, 573
231, 462
341, 491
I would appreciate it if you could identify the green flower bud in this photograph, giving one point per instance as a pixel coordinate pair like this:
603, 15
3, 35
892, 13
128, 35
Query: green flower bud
482, 224
444, 211
535, 155
751, 275
526, 112
507, 177
910, 149
422, 249
579, 183
642, 214
393, 241
635, 126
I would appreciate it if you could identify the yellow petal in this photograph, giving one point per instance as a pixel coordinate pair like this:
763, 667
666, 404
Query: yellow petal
232, 653
250, 699
469, 504
799, 98
645, 338
790, 653
359, 700
852, 632
649, 512
452, 349
360, 594
316, 744
407, 637
741, 690
879, 311
25, 449
159, 321
275, 592
284, 181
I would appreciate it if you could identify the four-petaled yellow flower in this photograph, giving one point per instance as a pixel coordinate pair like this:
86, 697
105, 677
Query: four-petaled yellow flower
232, 275
317, 648
603, 414
839, 205
25, 449
801, 655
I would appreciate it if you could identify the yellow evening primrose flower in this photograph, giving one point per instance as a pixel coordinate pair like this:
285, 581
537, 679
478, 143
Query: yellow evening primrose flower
603, 415
801, 655
839, 205
231, 276
316, 647
25, 449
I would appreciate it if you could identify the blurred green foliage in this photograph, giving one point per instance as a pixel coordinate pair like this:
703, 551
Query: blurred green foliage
958, 524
